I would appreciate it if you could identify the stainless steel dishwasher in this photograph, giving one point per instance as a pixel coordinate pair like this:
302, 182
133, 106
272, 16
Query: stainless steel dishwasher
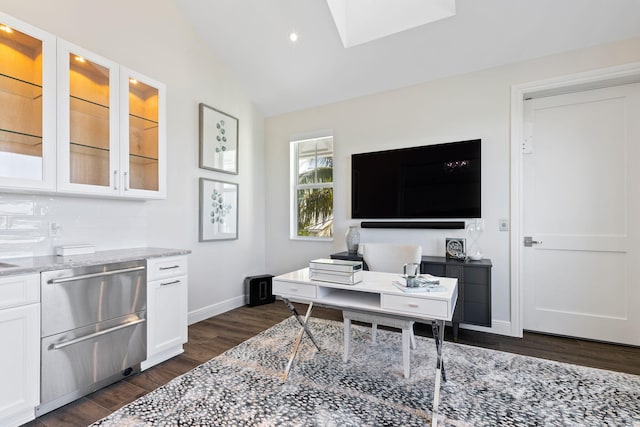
93, 329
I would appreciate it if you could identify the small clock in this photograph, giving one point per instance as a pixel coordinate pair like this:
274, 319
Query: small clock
455, 248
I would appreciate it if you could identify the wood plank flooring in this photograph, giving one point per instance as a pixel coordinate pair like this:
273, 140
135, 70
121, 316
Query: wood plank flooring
213, 336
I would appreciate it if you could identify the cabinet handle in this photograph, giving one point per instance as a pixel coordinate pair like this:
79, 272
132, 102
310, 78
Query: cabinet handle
169, 268
170, 283
93, 275
115, 180
97, 334
413, 305
126, 181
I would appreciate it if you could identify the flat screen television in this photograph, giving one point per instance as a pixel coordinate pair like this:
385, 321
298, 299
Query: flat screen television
439, 181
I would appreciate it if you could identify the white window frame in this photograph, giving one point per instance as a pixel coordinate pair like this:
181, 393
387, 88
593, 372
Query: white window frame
295, 140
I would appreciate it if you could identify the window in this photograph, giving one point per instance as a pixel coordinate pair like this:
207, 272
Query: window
312, 188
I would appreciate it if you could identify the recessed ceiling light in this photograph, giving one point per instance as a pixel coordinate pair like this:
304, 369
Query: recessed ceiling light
6, 28
80, 58
293, 36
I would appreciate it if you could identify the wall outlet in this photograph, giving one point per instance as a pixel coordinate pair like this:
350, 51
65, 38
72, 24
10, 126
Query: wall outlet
503, 224
54, 229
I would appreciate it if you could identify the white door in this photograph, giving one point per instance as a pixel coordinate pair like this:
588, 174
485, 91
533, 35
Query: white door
581, 202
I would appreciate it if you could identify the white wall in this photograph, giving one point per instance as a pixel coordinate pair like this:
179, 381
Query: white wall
151, 37
475, 105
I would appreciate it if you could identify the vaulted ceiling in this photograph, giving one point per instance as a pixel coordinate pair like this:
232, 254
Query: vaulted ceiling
251, 39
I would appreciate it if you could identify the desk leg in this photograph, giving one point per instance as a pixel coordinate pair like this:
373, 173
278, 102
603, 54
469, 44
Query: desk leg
438, 336
304, 328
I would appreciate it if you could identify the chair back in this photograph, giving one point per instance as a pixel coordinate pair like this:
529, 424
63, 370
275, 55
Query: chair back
390, 258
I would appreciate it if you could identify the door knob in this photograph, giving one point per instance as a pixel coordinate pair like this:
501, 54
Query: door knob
528, 241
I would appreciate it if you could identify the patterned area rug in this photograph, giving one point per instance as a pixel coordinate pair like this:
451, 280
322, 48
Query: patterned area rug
243, 387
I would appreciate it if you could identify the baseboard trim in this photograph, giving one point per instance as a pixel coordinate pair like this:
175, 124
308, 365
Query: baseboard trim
499, 327
203, 313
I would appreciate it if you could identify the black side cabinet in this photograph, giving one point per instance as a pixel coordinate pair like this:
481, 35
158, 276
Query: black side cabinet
474, 286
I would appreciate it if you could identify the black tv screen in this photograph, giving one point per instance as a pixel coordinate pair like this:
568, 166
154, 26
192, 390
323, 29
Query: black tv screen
432, 181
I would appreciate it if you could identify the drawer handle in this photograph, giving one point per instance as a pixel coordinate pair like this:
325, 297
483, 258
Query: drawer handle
92, 275
170, 283
294, 289
97, 334
413, 305
169, 268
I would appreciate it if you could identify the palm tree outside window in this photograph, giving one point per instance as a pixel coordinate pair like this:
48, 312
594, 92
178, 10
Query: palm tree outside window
312, 188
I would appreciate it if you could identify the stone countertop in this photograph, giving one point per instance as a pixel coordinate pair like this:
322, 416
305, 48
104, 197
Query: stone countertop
38, 264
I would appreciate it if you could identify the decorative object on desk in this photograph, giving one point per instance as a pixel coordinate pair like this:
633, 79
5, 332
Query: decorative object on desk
455, 248
353, 239
474, 229
218, 140
336, 271
218, 210
370, 390
431, 287
411, 272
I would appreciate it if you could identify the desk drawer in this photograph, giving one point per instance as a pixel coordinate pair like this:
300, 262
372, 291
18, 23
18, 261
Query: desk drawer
288, 289
419, 306
19, 290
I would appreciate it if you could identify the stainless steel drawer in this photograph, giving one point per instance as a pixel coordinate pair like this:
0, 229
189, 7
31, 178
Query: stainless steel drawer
79, 361
80, 297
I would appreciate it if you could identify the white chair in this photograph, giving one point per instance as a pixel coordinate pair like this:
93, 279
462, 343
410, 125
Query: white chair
388, 258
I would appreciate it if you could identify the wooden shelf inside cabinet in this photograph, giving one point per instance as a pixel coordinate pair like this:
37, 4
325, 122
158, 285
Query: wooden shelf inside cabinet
88, 149
19, 87
143, 160
20, 121
89, 107
14, 137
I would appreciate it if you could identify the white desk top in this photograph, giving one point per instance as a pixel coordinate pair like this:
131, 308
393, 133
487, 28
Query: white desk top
375, 293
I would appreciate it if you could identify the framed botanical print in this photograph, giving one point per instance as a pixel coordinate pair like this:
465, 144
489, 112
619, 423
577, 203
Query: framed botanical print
218, 140
218, 210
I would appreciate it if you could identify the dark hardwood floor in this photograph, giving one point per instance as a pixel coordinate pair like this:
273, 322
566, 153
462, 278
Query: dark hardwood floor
213, 336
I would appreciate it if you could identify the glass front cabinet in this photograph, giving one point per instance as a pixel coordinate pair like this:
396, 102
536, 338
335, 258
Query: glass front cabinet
143, 136
111, 137
27, 107
84, 126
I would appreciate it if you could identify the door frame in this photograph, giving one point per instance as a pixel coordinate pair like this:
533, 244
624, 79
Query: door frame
605, 77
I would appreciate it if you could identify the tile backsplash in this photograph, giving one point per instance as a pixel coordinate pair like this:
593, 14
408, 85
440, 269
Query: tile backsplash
26, 222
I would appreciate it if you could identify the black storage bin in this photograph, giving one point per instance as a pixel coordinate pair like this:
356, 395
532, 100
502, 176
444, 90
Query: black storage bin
257, 290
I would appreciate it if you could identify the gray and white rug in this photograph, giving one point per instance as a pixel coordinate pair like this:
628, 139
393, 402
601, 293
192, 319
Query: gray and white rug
243, 387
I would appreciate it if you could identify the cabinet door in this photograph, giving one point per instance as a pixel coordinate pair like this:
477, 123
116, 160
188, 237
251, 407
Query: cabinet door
477, 299
142, 135
166, 315
88, 132
19, 364
457, 272
27, 106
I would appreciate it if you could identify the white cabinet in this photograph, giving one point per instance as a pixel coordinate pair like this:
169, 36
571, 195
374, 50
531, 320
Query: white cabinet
27, 107
142, 136
167, 283
111, 128
88, 122
86, 126
20, 355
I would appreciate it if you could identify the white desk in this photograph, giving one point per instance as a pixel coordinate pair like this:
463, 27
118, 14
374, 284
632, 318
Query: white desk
377, 294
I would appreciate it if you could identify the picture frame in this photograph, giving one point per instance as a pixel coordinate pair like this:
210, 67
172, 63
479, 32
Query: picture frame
218, 210
218, 140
